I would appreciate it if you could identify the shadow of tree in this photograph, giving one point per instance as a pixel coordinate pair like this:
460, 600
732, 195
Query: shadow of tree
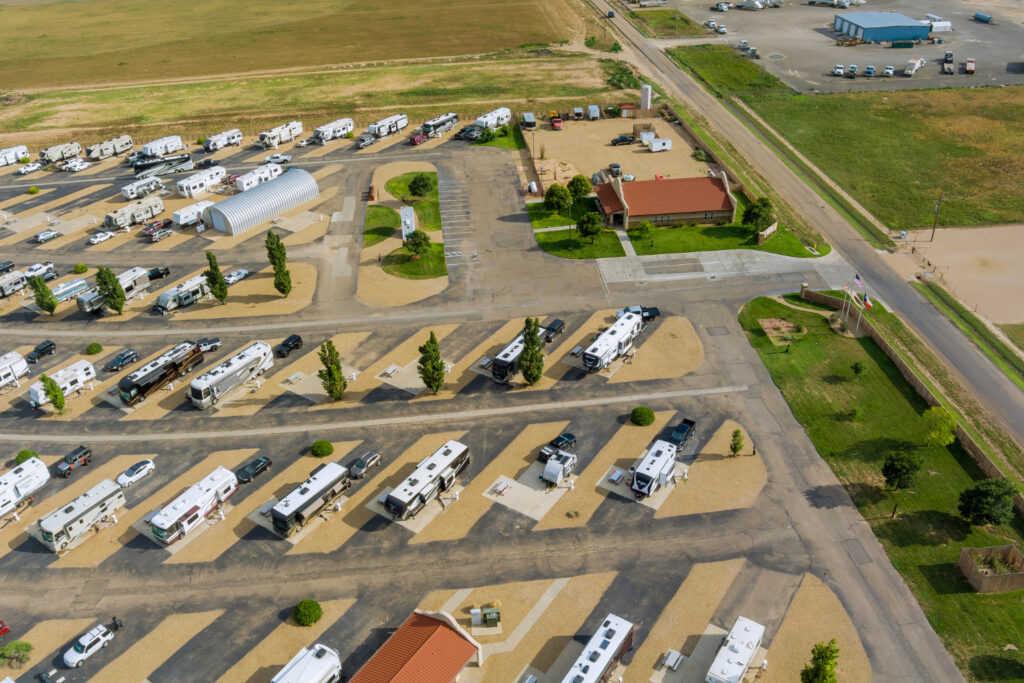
875, 450
924, 527
946, 578
865, 494
827, 496
996, 668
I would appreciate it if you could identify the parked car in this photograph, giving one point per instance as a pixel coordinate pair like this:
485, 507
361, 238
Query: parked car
648, 313
711, 23
623, 140
639, 310
232, 178
462, 133
207, 344
80, 457
615, 170
562, 442
851, 71
365, 141
101, 237
38, 268
6, 267
553, 329
161, 234
278, 158
46, 236
304, 142
236, 275
46, 348
869, 71
254, 469
889, 71
28, 168
87, 645
839, 70
134, 473
288, 345
418, 139
682, 433
207, 163
721, 29
365, 461
122, 360
159, 273
156, 225
76, 165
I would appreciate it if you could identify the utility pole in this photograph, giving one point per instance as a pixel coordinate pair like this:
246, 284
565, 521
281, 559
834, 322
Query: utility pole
938, 205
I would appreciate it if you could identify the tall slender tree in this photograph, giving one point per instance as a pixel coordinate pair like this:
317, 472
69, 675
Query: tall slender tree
214, 278
531, 360
277, 254
54, 393
331, 375
431, 367
822, 667
110, 289
43, 294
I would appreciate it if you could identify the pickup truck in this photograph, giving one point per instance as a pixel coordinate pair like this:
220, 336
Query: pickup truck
78, 457
682, 433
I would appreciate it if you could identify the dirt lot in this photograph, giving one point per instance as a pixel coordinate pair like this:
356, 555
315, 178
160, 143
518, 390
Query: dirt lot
584, 147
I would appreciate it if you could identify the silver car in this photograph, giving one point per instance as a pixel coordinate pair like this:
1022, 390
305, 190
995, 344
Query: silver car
367, 460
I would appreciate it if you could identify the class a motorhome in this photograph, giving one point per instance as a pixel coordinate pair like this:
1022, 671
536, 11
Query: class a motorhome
211, 386
12, 283
192, 506
202, 182
221, 140
56, 153
654, 469
441, 124
61, 527
141, 188
163, 146
185, 294
505, 365
13, 367
304, 502
135, 213
613, 639
147, 167
257, 176
132, 281
21, 482
316, 664
495, 119
70, 379
109, 148
283, 133
12, 155
179, 360
191, 214
333, 130
432, 475
388, 126
614, 342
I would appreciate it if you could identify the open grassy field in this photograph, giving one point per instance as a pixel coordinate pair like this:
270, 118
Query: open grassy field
559, 243
713, 237
723, 69
664, 23
106, 41
854, 421
381, 223
428, 208
401, 262
1016, 334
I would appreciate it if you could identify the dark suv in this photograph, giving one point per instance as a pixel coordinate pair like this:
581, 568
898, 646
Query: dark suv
46, 348
552, 330
122, 360
254, 469
80, 456
288, 345
623, 140
159, 273
6, 267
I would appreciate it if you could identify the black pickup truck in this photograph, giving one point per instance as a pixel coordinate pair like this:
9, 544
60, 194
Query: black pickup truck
682, 433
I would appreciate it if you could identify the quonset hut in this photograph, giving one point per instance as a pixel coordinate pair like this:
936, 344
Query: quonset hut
245, 210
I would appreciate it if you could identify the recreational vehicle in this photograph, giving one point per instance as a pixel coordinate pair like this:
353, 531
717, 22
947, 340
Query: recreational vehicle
659, 144
432, 475
212, 385
593, 112
133, 281
654, 469
185, 294
304, 502
60, 528
22, 482
317, 664
70, 379
155, 375
193, 506
11, 283
141, 188
613, 639
283, 133
109, 148
388, 126
67, 150
66, 290
133, 214
441, 124
201, 182
528, 121
738, 650
333, 130
221, 140
559, 467
505, 365
616, 341
191, 214
163, 146
12, 155
257, 176
495, 119
13, 367
147, 167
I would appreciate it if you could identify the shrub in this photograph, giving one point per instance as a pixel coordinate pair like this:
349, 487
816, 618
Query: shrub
24, 160
350, 135
33, 190
81, 268
307, 612
487, 135
641, 416
15, 653
201, 140
322, 448
93, 348
24, 455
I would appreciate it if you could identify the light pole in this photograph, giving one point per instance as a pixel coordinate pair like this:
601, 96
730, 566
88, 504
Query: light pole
938, 205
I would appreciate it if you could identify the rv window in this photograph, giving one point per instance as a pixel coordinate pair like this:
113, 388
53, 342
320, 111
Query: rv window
193, 519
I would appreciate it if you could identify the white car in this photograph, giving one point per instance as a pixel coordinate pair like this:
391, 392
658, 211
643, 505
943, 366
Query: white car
28, 168
629, 309
76, 165
278, 158
889, 71
304, 142
86, 646
135, 473
38, 269
100, 237
236, 275
721, 29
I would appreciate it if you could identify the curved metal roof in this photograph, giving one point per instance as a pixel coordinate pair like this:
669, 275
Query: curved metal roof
244, 210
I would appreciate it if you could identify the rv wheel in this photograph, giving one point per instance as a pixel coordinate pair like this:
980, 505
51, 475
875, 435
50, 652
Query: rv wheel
63, 545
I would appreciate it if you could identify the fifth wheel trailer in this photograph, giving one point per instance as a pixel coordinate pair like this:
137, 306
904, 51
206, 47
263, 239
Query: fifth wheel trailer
61, 527
70, 379
12, 155
283, 133
308, 499
388, 126
221, 140
22, 482
154, 166
133, 281
13, 367
432, 475
191, 214
109, 148
201, 182
185, 294
67, 150
141, 188
193, 506
495, 119
616, 341
211, 386
316, 664
333, 130
163, 146
137, 212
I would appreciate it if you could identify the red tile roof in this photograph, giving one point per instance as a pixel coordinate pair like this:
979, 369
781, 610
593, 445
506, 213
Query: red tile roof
669, 196
423, 650
609, 200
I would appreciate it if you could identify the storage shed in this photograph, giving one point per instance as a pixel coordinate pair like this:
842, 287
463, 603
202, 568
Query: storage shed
881, 26
241, 212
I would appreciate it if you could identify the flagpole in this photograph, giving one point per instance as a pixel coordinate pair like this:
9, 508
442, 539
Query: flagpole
860, 313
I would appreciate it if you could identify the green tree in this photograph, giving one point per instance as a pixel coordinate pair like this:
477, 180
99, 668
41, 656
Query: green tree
941, 426
736, 445
760, 214
579, 188
277, 255
215, 279
331, 374
24, 455
93, 348
307, 612
15, 653
430, 366
283, 281
990, 501
43, 294
110, 289
858, 367
643, 230
418, 242
54, 393
321, 448
486, 135
531, 360
822, 667
641, 416
557, 198
590, 224
900, 469
421, 185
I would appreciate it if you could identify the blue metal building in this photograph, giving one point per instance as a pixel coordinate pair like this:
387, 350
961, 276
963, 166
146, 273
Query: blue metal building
881, 26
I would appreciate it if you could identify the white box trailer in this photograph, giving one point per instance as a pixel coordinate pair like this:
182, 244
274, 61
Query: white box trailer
191, 214
109, 148
193, 506
141, 188
654, 469
202, 182
252, 361
22, 482
333, 130
12, 283
61, 527
616, 341
283, 133
388, 126
55, 153
137, 212
441, 124
257, 176
659, 144
13, 367
495, 119
593, 112
221, 140
12, 155
132, 281
162, 146
317, 664
70, 379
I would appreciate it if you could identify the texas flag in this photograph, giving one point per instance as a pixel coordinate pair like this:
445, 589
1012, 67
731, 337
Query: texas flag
867, 302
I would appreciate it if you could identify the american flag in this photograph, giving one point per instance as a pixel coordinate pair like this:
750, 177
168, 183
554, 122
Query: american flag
857, 281
867, 302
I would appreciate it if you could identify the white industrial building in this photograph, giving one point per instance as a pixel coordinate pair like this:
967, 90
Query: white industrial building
248, 209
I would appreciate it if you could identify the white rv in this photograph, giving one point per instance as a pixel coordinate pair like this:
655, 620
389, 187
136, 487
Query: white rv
442, 124
560, 466
185, 294
495, 119
432, 475
13, 367
11, 283
388, 126
317, 664
137, 212
654, 469
505, 365
66, 290
613, 639
191, 214
70, 379
109, 148
12, 155
333, 130
257, 176
737, 651
252, 361
133, 281
193, 506
67, 150
308, 499
59, 528
283, 133
616, 341
22, 482
162, 146
221, 140
147, 167
141, 188
201, 182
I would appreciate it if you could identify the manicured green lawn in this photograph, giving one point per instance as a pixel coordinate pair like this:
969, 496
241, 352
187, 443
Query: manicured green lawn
713, 237
381, 223
724, 68
541, 217
1015, 332
400, 262
512, 141
558, 243
665, 23
925, 538
428, 209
